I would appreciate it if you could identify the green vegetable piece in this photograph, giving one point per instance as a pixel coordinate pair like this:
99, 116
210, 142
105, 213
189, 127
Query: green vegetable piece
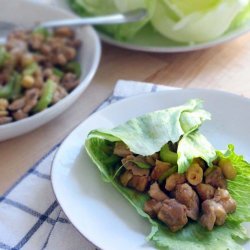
46, 97
7, 90
58, 72
142, 164
30, 69
75, 68
167, 155
42, 31
4, 56
168, 173
17, 86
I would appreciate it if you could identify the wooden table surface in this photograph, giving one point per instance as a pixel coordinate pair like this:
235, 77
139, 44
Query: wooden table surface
225, 67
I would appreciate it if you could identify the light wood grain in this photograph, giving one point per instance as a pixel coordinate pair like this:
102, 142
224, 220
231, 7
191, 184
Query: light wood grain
224, 67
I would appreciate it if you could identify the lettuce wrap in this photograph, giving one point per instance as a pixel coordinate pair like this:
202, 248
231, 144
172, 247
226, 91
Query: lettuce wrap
146, 135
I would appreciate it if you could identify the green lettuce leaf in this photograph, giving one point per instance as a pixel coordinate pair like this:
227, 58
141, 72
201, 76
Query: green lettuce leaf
242, 18
100, 7
194, 145
93, 7
240, 187
229, 236
184, 7
185, 21
196, 23
146, 134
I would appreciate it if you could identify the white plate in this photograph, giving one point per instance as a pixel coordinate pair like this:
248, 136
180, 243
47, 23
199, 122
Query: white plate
89, 57
95, 208
159, 44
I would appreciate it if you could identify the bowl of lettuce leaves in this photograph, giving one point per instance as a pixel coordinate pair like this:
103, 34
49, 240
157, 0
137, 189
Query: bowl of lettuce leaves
171, 25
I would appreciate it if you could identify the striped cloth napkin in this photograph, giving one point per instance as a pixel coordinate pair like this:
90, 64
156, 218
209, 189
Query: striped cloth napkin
30, 216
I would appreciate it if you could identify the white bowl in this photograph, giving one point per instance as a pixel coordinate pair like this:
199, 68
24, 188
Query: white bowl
23, 12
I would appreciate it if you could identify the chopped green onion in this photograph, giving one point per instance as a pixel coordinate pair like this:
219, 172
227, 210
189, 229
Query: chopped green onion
167, 155
30, 69
46, 97
74, 67
7, 90
58, 72
168, 173
42, 31
141, 164
17, 86
4, 56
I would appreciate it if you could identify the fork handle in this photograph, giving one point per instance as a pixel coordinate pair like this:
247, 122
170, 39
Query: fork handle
127, 17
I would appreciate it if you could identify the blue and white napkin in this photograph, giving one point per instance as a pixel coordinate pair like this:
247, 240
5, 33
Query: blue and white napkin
30, 216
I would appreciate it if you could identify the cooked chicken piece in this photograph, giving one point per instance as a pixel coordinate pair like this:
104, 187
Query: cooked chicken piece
152, 207
173, 214
188, 197
121, 149
208, 220
159, 169
205, 191
156, 193
130, 165
216, 178
151, 159
214, 213
173, 180
126, 177
138, 182
223, 197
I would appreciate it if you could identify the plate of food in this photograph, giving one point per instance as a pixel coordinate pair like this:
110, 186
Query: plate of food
165, 175
171, 25
42, 72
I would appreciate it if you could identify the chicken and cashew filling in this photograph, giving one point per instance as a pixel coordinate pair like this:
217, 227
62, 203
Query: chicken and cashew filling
200, 194
38, 68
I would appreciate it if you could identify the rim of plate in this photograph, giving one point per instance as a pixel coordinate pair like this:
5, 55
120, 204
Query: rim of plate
83, 83
165, 92
54, 191
237, 33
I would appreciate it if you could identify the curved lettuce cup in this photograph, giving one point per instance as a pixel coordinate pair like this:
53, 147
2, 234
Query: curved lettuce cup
146, 135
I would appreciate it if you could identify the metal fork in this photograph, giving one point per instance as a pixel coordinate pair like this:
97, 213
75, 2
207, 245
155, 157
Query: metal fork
127, 17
